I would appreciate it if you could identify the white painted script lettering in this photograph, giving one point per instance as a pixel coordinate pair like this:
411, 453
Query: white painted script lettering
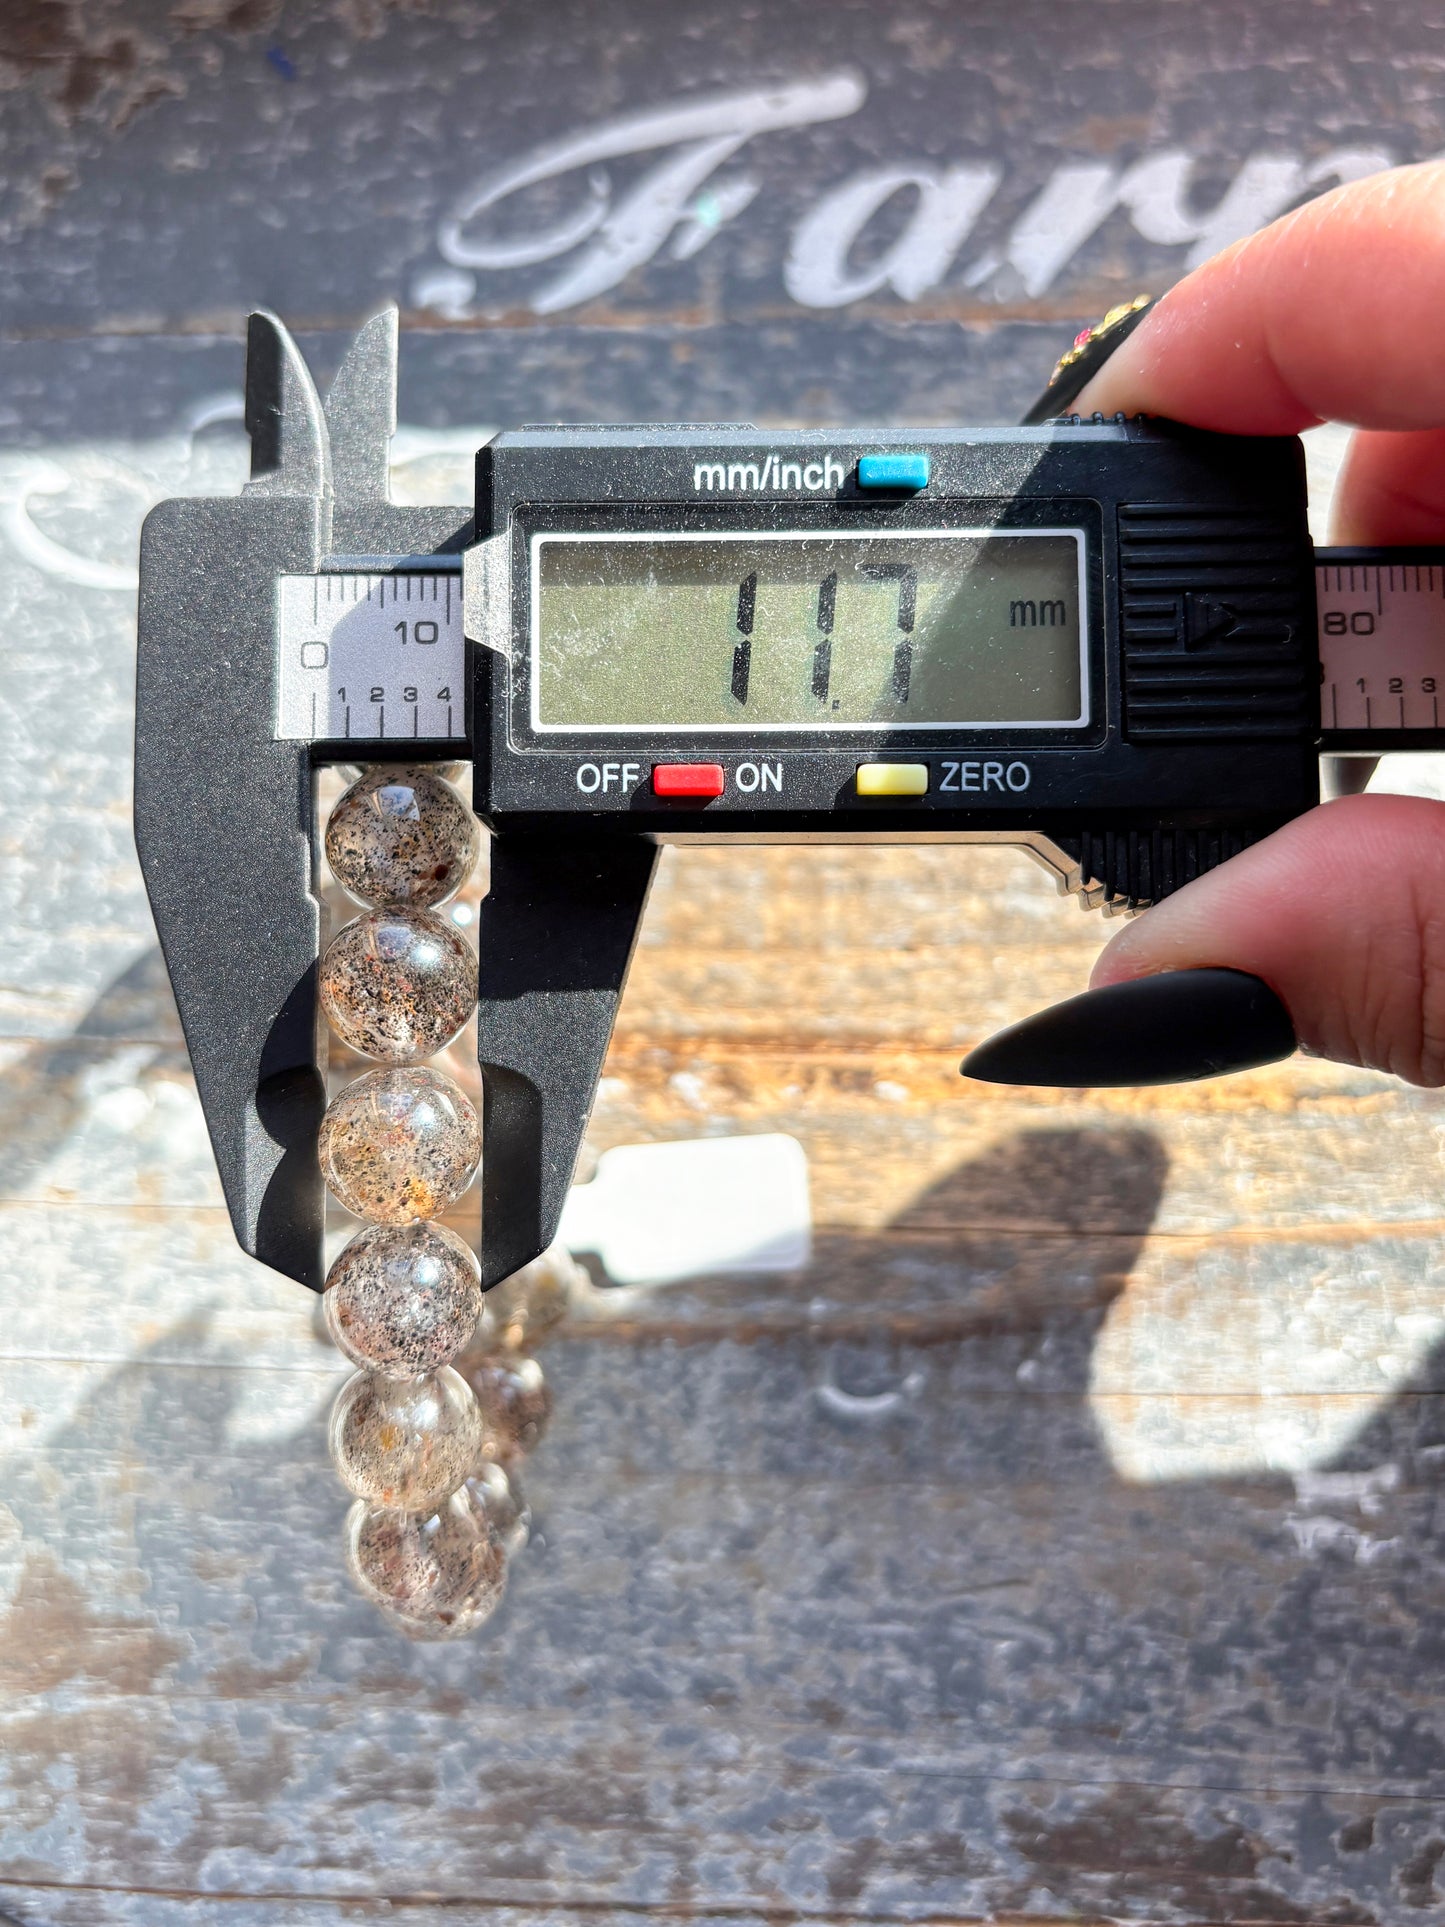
618, 236
817, 272
676, 206
1154, 192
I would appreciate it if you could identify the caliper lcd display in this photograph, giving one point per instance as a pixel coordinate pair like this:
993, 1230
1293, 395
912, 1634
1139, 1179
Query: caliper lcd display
937, 629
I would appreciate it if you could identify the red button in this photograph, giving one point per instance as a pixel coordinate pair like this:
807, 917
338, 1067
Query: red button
687, 779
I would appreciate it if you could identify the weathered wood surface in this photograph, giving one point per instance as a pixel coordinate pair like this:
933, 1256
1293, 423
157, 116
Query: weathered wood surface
1064, 1542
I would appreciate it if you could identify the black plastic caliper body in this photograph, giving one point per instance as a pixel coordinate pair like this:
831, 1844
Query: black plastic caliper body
1127, 610
1096, 640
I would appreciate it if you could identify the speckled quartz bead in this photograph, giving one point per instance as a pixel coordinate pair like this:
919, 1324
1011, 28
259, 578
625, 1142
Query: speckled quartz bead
437, 1576
515, 1402
398, 984
403, 1299
401, 835
399, 1144
451, 1622
532, 1302
499, 1495
406, 1443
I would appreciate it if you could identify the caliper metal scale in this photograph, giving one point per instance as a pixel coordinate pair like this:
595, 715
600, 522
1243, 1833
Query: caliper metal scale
1108, 642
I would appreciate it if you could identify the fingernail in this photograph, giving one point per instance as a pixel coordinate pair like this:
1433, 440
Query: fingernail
1168, 1029
1079, 364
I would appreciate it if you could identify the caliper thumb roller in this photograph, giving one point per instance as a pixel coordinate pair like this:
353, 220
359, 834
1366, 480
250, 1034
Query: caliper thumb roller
1107, 642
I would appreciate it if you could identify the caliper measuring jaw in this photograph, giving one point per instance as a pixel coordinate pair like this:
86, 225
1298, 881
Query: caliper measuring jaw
224, 819
225, 825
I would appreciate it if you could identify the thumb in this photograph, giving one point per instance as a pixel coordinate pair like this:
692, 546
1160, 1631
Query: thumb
1341, 913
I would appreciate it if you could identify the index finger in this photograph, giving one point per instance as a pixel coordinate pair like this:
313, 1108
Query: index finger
1332, 313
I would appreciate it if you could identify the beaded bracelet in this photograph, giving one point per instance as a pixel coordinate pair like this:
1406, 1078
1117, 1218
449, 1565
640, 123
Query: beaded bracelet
429, 1432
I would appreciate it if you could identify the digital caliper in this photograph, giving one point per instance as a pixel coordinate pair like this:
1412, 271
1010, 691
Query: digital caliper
1109, 642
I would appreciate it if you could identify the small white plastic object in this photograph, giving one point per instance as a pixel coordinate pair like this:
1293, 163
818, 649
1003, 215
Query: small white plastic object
657, 1213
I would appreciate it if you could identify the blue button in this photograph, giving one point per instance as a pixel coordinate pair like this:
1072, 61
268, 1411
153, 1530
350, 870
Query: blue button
893, 471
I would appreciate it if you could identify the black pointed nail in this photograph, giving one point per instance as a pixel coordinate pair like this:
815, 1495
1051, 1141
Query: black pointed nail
1169, 1029
1078, 365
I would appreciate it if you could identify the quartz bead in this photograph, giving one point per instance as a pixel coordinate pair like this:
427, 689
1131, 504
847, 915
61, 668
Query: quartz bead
437, 1576
515, 1402
399, 1144
499, 1496
405, 1443
401, 835
403, 1299
454, 1622
532, 1302
398, 984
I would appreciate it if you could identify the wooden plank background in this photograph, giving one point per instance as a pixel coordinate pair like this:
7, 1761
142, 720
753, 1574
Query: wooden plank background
1065, 1541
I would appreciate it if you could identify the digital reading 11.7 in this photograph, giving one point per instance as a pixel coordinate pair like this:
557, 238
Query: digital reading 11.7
834, 630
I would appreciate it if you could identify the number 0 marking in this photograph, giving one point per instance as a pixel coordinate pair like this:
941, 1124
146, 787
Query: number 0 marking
340, 648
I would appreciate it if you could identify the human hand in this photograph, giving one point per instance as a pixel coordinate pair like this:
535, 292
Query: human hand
1331, 932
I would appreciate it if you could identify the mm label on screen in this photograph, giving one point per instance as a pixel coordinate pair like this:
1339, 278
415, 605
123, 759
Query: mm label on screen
830, 630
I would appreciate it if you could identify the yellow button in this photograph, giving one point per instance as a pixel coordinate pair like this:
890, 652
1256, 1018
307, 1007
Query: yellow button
893, 779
